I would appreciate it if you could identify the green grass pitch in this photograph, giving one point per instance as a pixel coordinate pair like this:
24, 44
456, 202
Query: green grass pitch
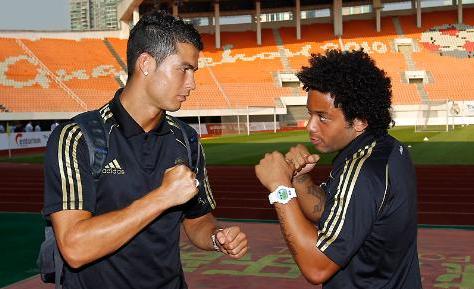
452, 147
442, 148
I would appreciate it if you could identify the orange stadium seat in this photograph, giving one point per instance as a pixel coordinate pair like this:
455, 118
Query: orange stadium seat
451, 76
362, 33
85, 66
120, 45
468, 16
428, 20
23, 88
241, 63
239, 74
242, 66
314, 39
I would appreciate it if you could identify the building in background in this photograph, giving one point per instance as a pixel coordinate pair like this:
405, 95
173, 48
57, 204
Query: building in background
93, 14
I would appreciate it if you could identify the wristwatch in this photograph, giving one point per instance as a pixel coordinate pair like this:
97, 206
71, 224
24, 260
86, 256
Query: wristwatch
282, 195
215, 242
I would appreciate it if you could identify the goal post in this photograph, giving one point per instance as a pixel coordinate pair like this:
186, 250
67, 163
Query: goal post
433, 116
261, 118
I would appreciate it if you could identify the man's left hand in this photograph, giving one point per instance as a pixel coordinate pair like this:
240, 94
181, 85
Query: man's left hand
232, 242
302, 160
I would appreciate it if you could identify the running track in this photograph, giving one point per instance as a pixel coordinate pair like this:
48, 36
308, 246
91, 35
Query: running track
445, 193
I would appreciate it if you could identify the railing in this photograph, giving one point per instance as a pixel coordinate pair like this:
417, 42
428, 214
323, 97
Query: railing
51, 74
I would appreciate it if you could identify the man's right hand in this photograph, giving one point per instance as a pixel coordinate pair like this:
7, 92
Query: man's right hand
178, 185
301, 159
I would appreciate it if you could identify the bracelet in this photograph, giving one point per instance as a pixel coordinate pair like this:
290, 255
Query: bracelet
215, 243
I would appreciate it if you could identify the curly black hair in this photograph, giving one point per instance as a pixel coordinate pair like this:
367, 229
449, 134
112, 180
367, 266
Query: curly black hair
358, 87
158, 33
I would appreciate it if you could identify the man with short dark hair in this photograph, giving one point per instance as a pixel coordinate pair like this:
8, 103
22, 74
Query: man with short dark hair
365, 213
123, 230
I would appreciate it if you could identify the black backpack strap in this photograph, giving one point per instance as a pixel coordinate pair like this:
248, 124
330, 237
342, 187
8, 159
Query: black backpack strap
96, 134
50, 261
58, 268
174, 122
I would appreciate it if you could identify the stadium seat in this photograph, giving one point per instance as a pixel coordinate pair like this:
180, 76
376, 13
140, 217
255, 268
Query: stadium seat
241, 73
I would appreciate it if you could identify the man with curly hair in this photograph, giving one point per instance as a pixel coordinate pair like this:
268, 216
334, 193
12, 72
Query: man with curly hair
365, 213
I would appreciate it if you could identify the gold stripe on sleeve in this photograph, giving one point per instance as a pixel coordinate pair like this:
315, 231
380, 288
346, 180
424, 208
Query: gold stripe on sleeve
342, 198
69, 165
60, 164
77, 173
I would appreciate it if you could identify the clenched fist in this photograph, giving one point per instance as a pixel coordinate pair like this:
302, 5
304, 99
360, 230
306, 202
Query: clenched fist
232, 242
301, 159
273, 171
178, 185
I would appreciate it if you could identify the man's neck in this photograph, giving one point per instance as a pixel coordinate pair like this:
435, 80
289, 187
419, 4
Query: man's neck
139, 108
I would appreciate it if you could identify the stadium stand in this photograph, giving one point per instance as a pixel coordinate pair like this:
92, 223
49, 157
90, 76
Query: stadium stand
380, 46
315, 38
85, 66
84, 74
120, 45
447, 71
469, 16
118, 48
444, 52
428, 20
242, 64
23, 87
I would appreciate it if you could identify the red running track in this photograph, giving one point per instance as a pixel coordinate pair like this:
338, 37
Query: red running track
445, 193
445, 262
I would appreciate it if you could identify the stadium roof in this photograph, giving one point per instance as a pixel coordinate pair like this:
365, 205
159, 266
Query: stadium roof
203, 7
129, 10
206, 6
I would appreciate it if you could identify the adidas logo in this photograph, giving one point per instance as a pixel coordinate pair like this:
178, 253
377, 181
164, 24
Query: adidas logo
113, 168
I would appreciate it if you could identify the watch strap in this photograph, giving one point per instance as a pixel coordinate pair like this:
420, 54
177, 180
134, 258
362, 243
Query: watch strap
215, 242
274, 197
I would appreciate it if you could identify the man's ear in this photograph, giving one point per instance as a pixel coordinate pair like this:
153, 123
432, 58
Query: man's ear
359, 125
144, 64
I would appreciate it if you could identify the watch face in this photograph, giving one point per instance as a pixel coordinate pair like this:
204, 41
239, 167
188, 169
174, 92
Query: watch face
283, 194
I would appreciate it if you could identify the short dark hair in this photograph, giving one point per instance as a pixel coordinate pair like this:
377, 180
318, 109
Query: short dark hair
158, 34
358, 87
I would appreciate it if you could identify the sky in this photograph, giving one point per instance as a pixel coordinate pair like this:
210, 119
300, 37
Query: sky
34, 15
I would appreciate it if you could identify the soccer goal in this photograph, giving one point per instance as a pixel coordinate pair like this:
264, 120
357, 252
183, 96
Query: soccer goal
261, 118
433, 115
